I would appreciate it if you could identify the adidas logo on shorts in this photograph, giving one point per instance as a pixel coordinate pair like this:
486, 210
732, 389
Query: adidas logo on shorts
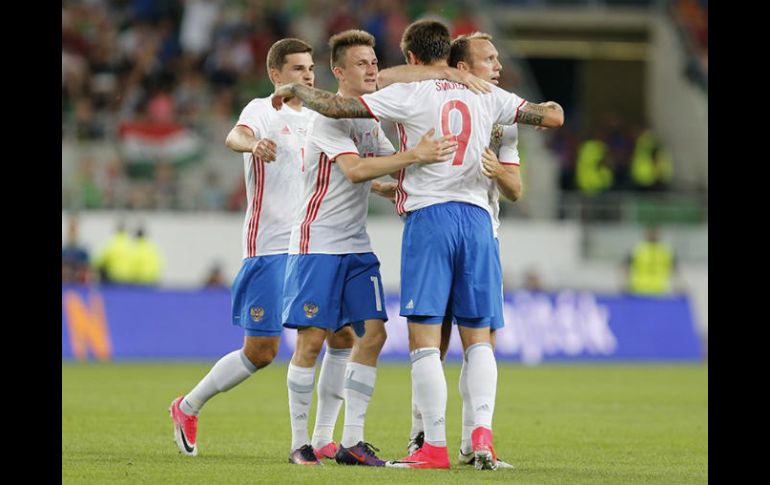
410, 305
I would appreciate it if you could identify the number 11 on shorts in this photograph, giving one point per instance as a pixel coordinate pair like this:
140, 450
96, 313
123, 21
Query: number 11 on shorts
377, 299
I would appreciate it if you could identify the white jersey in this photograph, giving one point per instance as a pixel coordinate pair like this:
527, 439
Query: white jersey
451, 109
504, 142
332, 215
273, 189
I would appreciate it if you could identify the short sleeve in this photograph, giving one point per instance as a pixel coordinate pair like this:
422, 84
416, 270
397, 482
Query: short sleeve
333, 137
506, 105
393, 103
509, 146
255, 117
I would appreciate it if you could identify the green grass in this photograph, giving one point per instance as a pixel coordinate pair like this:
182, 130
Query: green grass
614, 424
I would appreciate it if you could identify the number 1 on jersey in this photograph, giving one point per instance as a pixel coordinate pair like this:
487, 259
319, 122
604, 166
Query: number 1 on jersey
377, 299
465, 132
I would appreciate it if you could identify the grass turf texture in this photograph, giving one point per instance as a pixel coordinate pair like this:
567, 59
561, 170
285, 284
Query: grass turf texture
554, 423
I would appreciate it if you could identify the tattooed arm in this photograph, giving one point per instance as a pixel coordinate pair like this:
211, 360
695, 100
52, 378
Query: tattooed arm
324, 102
548, 115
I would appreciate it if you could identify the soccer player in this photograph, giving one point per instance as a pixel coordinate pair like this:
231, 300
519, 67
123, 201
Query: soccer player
271, 145
332, 275
448, 263
476, 54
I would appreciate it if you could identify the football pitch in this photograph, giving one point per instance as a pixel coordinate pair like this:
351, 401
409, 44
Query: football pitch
556, 423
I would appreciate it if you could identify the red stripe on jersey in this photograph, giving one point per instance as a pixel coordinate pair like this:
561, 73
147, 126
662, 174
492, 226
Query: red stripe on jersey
400, 189
517, 110
510, 163
249, 249
322, 185
369, 109
326, 177
400, 192
345, 153
256, 205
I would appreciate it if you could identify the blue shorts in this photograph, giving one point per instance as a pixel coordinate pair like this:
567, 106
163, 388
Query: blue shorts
496, 321
256, 295
333, 290
449, 265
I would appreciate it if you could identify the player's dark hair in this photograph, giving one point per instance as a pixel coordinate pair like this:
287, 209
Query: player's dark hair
428, 40
276, 56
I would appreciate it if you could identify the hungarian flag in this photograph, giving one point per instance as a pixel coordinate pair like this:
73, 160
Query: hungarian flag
146, 142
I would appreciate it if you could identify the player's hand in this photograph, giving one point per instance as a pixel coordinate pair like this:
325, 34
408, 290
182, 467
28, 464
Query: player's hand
281, 95
490, 165
431, 150
265, 149
475, 84
385, 189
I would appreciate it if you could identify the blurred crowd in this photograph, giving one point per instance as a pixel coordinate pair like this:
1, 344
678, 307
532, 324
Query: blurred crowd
167, 79
156, 85
614, 156
125, 258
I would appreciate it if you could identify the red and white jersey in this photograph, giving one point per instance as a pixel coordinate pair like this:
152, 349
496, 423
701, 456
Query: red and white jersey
332, 215
504, 142
451, 109
273, 188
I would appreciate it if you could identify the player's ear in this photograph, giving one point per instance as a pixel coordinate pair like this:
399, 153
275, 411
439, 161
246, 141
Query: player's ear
463, 66
275, 75
337, 71
411, 58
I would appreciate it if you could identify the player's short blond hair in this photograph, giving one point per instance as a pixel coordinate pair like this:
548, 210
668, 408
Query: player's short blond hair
461, 46
341, 42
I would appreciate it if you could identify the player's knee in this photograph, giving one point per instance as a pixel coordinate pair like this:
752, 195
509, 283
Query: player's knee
374, 339
260, 356
342, 339
308, 353
308, 348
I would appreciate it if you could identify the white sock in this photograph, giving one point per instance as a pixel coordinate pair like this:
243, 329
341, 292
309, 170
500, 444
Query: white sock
482, 383
429, 389
229, 371
416, 419
465, 445
331, 381
300, 383
359, 386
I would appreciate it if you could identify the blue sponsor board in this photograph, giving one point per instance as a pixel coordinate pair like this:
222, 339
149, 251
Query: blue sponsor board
140, 323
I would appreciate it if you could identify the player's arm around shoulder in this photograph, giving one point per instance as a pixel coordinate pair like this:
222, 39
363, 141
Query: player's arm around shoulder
415, 73
429, 150
324, 102
547, 115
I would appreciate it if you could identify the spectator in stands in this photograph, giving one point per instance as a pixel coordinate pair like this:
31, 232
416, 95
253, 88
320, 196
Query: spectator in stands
651, 167
75, 266
113, 262
215, 279
146, 260
533, 281
651, 266
592, 173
